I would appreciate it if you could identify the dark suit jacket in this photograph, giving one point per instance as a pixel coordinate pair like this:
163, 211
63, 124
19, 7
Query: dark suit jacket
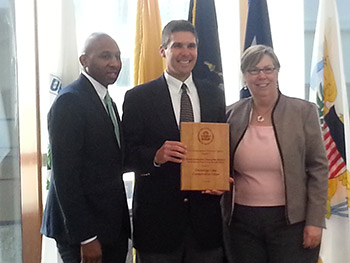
86, 195
161, 212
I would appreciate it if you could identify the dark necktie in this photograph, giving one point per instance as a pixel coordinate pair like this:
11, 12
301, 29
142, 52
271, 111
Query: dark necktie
112, 115
186, 110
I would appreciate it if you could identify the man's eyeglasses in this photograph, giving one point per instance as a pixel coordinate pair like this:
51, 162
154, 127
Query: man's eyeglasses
256, 71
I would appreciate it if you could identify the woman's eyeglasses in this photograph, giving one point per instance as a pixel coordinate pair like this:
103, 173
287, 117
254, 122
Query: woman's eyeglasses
256, 71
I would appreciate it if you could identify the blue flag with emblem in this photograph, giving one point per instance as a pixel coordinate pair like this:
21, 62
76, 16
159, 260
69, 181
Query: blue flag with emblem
257, 30
202, 15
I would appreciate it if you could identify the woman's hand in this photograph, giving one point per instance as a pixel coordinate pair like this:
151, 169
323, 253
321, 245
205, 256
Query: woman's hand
312, 236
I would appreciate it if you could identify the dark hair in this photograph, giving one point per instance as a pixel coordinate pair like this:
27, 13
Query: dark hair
177, 26
252, 56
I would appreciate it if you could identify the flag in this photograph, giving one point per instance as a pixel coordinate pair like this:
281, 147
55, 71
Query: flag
257, 30
148, 64
65, 65
258, 24
202, 15
328, 90
63, 69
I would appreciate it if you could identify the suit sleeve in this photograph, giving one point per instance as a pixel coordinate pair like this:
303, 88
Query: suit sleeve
316, 169
138, 154
66, 131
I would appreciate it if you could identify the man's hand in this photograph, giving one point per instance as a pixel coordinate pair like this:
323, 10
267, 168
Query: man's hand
91, 252
312, 236
213, 192
171, 151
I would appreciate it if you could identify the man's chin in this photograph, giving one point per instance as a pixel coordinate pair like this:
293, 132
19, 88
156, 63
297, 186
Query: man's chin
111, 81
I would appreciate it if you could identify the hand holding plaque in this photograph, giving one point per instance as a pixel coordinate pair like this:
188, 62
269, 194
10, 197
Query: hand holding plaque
206, 166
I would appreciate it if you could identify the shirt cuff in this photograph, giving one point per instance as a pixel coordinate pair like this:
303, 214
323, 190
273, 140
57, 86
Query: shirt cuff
156, 164
88, 240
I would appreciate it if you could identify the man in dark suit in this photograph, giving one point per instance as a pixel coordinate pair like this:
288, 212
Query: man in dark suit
86, 210
171, 225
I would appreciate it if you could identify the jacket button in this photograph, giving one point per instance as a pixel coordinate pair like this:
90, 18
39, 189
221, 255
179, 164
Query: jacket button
185, 200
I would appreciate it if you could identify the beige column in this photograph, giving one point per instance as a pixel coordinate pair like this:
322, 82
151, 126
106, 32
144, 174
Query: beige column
243, 20
29, 129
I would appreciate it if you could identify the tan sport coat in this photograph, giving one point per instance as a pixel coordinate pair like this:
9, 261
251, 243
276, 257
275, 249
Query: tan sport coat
305, 165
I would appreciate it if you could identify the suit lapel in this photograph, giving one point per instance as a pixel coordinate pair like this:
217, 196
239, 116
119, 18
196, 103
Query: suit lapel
164, 107
119, 123
96, 102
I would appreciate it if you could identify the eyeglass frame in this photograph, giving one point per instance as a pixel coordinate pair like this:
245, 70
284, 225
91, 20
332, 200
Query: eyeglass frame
257, 71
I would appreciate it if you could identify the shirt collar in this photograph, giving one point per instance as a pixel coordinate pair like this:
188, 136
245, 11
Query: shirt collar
174, 82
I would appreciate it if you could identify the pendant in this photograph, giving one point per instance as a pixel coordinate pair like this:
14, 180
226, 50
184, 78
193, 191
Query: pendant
260, 118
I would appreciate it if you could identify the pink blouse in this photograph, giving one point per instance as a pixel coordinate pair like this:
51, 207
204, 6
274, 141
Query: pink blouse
258, 169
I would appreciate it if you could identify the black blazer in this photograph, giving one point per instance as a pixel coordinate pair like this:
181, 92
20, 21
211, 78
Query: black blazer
86, 195
161, 212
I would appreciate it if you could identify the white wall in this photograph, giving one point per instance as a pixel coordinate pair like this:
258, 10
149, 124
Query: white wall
229, 34
287, 29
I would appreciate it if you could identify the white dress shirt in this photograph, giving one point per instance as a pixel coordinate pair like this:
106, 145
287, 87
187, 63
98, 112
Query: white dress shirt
174, 86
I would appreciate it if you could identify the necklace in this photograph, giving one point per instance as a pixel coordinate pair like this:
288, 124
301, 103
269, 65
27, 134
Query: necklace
260, 117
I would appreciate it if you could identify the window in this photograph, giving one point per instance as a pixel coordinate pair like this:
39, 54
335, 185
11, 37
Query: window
10, 188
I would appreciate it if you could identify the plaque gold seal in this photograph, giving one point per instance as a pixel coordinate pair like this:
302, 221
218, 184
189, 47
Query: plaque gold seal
205, 136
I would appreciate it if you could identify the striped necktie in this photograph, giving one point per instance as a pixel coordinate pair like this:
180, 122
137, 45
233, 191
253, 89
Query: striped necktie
112, 115
186, 110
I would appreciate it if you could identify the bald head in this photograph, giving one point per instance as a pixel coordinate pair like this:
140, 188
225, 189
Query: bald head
101, 58
93, 40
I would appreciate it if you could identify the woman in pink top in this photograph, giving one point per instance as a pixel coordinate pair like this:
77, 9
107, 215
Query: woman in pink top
276, 212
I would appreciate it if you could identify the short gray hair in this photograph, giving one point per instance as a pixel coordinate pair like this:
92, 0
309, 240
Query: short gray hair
252, 56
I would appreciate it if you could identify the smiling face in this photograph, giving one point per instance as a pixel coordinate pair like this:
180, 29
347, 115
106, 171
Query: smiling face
180, 54
101, 59
263, 85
